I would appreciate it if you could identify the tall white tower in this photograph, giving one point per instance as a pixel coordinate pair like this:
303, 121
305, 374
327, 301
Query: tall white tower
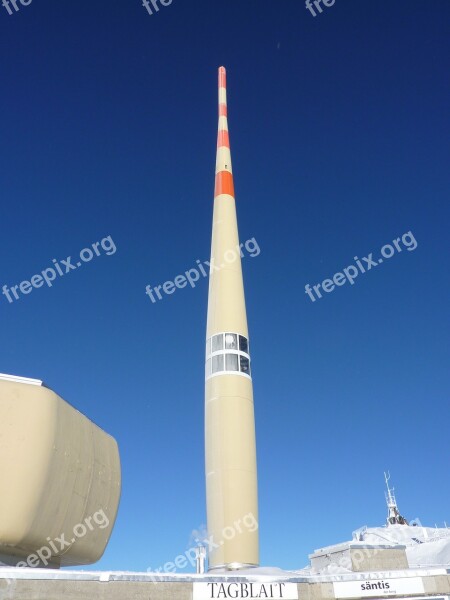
230, 448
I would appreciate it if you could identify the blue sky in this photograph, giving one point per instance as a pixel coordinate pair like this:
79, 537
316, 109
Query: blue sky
339, 135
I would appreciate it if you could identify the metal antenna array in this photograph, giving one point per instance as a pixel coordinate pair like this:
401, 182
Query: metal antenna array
394, 516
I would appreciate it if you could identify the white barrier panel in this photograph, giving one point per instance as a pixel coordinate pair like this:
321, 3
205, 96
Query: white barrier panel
378, 587
248, 590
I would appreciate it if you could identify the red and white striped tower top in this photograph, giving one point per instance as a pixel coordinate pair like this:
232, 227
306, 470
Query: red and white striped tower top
224, 170
226, 306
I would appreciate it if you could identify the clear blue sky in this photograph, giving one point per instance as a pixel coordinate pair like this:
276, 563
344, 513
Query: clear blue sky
339, 133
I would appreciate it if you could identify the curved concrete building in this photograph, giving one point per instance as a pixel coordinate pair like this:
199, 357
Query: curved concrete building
231, 478
60, 479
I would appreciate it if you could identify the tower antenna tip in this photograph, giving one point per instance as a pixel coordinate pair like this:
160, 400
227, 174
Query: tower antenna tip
222, 77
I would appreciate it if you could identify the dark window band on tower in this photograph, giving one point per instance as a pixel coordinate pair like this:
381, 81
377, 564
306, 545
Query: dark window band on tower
217, 342
231, 341
244, 364
231, 362
227, 353
243, 344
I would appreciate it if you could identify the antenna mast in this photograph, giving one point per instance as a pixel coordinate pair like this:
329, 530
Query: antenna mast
394, 516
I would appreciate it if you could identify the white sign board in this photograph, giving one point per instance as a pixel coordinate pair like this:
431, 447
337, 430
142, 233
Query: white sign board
216, 590
378, 587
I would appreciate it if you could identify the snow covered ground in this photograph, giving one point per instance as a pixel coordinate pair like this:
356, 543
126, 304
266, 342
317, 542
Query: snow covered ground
425, 546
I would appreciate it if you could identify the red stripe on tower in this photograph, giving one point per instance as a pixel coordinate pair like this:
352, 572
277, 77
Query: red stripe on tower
223, 138
224, 184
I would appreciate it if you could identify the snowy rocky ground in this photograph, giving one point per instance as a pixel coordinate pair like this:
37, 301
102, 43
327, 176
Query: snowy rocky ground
425, 546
